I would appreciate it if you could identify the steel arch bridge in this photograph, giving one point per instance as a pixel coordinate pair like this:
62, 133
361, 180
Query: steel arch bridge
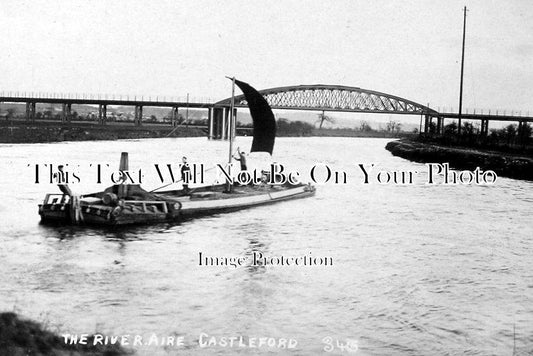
335, 98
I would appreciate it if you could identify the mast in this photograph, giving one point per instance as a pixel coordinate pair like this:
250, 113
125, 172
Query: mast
462, 71
231, 126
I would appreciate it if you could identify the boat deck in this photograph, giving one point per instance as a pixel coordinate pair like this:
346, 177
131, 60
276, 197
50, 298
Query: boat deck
141, 206
216, 193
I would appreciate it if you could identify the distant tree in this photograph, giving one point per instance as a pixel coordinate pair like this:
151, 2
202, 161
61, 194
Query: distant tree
323, 117
365, 126
10, 113
283, 121
398, 127
393, 126
510, 133
293, 128
450, 129
468, 129
432, 127
524, 133
477, 128
202, 122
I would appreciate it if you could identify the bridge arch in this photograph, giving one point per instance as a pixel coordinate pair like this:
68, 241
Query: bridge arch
335, 98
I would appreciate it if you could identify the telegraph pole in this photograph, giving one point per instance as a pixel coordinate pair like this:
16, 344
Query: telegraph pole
462, 71
187, 110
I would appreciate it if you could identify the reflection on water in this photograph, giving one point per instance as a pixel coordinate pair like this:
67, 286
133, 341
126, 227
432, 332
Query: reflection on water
418, 269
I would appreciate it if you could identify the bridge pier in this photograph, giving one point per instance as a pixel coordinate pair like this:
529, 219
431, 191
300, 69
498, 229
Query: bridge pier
224, 132
440, 125
69, 112
210, 124
218, 122
521, 132
484, 127
218, 114
138, 115
66, 114
30, 111
427, 121
174, 116
102, 114
232, 130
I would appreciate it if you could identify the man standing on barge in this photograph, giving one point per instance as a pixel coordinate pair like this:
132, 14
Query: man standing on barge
185, 174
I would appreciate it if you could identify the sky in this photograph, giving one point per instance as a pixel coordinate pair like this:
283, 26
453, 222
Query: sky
410, 49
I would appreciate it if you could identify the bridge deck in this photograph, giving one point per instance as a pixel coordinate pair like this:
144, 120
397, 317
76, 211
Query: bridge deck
489, 117
97, 101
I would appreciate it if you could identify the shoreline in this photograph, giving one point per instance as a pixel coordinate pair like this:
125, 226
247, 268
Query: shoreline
503, 164
49, 132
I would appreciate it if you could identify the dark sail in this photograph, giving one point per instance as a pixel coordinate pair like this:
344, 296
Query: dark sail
263, 118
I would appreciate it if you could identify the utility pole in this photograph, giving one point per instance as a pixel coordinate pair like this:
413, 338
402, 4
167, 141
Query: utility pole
187, 110
462, 71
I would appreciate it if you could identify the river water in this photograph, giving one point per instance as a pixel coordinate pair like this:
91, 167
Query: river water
417, 269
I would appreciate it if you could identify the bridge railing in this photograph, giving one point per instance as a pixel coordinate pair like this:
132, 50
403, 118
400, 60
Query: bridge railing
90, 96
492, 112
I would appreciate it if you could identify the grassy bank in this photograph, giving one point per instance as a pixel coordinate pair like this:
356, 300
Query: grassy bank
39, 132
19, 337
358, 133
504, 164
54, 132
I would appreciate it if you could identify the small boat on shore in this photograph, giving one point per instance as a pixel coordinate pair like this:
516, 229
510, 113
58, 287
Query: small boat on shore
125, 204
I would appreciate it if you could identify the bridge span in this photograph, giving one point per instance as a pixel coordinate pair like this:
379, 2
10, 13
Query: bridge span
335, 98
318, 97
353, 99
483, 118
103, 101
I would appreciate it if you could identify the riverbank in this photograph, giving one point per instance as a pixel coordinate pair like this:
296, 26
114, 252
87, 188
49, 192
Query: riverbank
505, 165
52, 132
42, 132
19, 337
358, 133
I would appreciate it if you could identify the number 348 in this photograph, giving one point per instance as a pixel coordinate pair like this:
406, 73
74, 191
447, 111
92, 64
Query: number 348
331, 344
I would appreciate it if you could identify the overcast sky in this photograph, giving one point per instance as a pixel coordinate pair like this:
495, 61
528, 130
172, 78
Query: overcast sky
406, 48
